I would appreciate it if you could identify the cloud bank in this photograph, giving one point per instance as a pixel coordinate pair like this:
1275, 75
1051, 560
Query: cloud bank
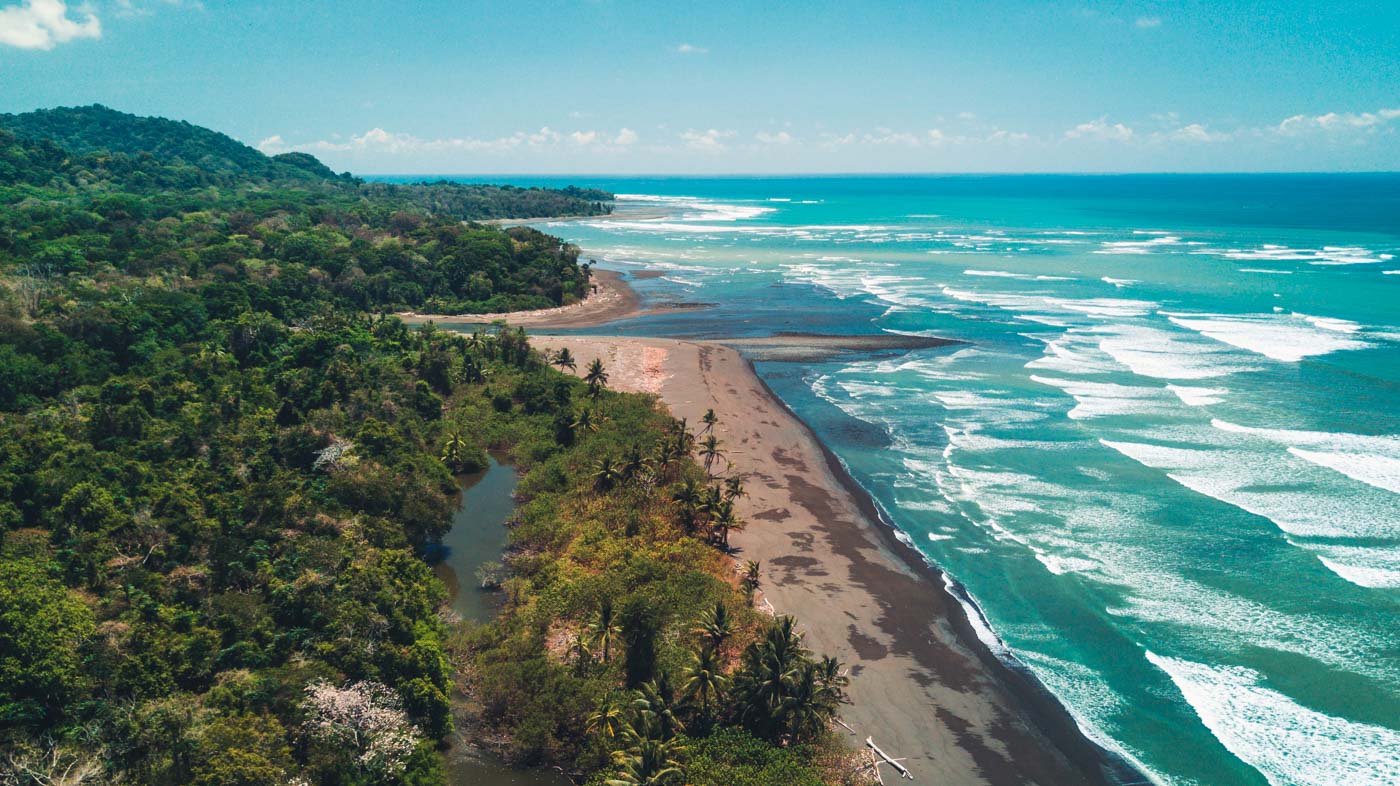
44, 24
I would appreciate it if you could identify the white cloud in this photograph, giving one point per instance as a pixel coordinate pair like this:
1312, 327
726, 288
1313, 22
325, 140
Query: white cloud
1099, 130
1336, 121
273, 145
380, 141
936, 136
888, 136
711, 141
691, 49
967, 116
1009, 137
1148, 22
1196, 132
42, 24
780, 138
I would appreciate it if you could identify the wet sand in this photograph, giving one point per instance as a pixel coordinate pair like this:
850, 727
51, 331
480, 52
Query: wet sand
922, 684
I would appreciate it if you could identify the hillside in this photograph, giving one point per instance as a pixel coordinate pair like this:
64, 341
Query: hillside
97, 129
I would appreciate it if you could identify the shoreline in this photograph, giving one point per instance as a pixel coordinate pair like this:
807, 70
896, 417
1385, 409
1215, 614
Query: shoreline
613, 299
1050, 714
925, 684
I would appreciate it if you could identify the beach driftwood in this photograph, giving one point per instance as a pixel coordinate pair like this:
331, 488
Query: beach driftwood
903, 771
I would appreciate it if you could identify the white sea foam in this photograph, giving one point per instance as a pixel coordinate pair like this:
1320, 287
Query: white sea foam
1266, 271
1282, 338
1198, 397
1373, 460
1107, 399
1325, 256
1119, 282
1291, 745
995, 274
1271, 486
1138, 247
1375, 470
1364, 566
1162, 354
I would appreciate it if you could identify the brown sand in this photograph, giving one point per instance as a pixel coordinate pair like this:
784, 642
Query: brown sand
921, 684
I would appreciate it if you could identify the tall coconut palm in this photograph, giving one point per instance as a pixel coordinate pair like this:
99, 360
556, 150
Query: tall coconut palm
710, 419
764, 682
454, 450
603, 630
807, 706
596, 376
715, 626
609, 720
606, 475
710, 453
564, 359
648, 762
634, 464
724, 521
688, 496
734, 487
750, 581
704, 682
655, 705
586, 421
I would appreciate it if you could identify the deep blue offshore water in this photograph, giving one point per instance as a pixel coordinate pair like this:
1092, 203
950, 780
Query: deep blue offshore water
1167, 463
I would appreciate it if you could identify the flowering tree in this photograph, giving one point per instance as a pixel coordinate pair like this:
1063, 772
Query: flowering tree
366, 717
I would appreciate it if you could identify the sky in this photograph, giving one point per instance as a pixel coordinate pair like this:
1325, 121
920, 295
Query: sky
608, 86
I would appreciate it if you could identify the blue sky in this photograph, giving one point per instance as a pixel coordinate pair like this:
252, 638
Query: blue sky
606, 86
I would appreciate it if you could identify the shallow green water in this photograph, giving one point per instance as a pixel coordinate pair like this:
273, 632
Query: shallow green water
479, 535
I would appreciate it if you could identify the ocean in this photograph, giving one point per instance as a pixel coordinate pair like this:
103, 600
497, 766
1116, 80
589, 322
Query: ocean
1166, 463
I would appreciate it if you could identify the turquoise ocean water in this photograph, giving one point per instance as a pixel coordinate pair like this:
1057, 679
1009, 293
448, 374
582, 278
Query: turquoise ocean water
1167, 462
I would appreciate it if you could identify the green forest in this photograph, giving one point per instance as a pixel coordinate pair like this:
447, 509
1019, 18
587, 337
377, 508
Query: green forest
221, 456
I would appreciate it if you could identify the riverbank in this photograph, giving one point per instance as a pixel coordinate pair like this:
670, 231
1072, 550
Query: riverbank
923, 684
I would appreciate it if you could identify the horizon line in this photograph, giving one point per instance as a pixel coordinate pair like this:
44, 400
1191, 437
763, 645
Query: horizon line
756, 175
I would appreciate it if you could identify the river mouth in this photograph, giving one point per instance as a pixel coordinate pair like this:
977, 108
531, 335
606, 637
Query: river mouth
479, 537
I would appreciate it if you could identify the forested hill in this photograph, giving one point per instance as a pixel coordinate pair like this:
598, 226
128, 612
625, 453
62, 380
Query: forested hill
82, 131
187, 155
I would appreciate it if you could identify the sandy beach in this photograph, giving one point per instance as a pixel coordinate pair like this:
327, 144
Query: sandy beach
611, 299
922, 686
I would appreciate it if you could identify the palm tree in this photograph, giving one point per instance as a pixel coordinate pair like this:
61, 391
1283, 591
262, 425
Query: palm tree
689, 497
633, 464
610, 719
604, 629
710, 452
808, 704
596, 376
750, 581
831, 676
763, 683
655, 704
664, 456
734, 487
710, 419
454, 450
714, 626
724, 521
564, 359
648, 762
585, 421
705, 681
605, 475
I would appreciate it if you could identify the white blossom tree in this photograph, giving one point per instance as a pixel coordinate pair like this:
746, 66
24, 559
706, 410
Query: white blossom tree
366, 717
